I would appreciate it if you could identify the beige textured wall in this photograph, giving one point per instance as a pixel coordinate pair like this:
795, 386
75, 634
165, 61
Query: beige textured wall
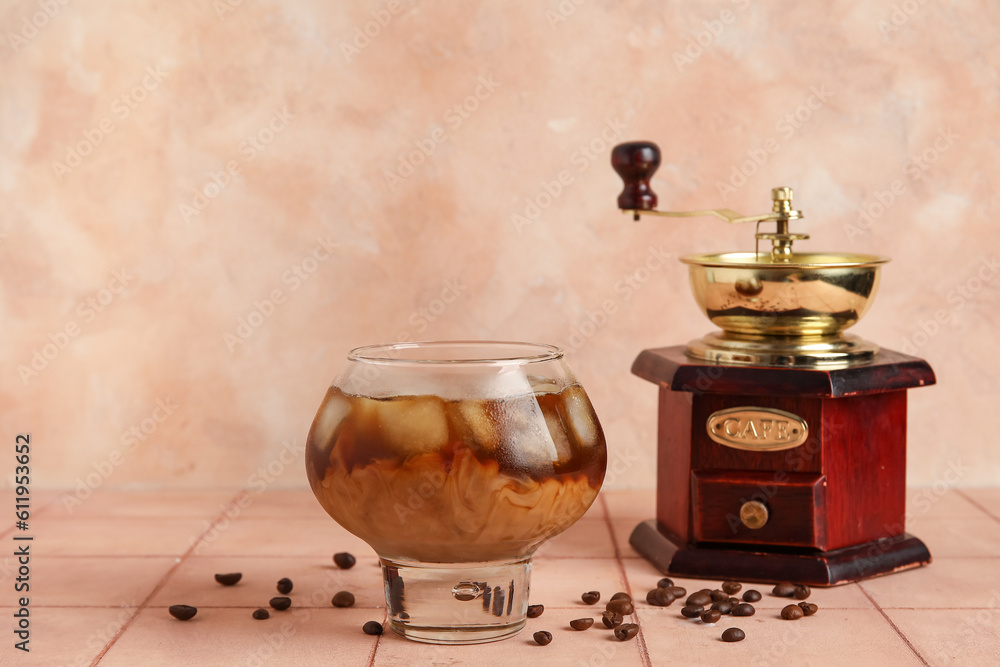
167, 169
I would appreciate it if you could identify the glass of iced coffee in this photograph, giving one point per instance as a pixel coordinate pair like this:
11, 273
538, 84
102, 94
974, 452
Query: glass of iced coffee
455, 461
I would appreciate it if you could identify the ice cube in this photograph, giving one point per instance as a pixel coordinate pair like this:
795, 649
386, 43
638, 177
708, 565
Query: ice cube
413, 424
579, 416
330, 415
475, 416
557, 432
525, 443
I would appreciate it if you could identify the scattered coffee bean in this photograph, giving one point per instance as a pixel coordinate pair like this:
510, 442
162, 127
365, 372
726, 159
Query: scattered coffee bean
699, 599
802, 592
542, 637
343, 599
182, 612
723, 607
808, 608
783, 590
261, 614
733, 635
372, 628
229, 579
692, 611
660, 597
719, 595
344, 560
711, 616
535, 610
751, 596
591, 597
734, 601
732, 587
611, 619
626, 631
285, 586
743, 609
620, 596
623, 607
665, 583
281, 604
677, 591
581, 623
792, 612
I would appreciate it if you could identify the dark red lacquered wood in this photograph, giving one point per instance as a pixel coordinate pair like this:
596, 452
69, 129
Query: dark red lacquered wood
636, 162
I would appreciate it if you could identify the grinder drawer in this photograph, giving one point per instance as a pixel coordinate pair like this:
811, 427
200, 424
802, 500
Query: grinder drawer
775, 508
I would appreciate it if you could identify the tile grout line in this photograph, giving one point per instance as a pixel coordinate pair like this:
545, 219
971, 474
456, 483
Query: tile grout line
643, 650
378, 639
977, 505
163, 581
888, 620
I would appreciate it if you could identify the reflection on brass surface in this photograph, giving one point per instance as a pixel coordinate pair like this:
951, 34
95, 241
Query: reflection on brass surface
836, 351
757, 429
754, 514
813, 294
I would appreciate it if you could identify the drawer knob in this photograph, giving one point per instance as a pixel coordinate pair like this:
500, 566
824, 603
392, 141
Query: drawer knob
754, 514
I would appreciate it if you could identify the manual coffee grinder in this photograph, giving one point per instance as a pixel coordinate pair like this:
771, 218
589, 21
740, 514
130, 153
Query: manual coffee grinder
781, 440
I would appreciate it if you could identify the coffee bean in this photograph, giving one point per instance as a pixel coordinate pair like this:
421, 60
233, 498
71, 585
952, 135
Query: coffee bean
372, 628
699, 599
591, 597
751, 596
344, 560
808, 608
734, 601
623, 607
281, 604
581, 623
182, 612
535, 610
261, 614
783, 590
723, 607
733, 635
665, 583
802, 592
285, 586
692, 611
743, 609
660, 597
542, 637
229, 579
677, 591
792, 612
611, 619
732, 587
719, 595
711, 616
626, 631
343, 599
620, 596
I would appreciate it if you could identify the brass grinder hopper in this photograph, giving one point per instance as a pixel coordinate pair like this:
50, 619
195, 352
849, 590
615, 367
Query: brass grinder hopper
777, 307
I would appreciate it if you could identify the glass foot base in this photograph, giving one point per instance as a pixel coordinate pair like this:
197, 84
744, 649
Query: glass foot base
456, 603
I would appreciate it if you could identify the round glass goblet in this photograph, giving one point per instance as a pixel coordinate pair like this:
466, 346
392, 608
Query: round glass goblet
455, 461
